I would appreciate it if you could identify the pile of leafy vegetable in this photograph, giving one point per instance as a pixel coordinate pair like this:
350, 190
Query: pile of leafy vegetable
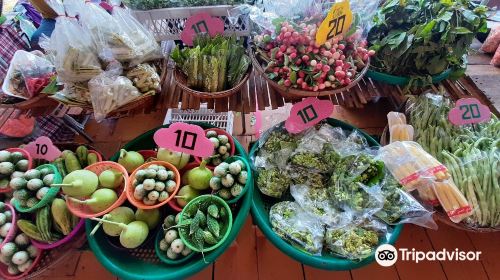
324, 179
160, 4
419, 39
471, 153
212, 64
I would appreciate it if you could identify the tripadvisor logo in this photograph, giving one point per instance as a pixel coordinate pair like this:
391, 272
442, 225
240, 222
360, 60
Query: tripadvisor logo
387, 255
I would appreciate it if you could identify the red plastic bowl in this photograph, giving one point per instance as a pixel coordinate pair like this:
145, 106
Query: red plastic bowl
13, 229
26, 155
219, 132
77, 230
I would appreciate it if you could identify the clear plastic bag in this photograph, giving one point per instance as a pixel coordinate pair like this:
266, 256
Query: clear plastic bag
317, 202
356, 241
416, 169
29, 74
145, 78
110, 91
296, 226
402, 208
111, 41
73, 46
145, 46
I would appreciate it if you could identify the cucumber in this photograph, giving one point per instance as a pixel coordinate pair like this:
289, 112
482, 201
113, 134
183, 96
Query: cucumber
29, 229
44, 223
71, 162
61, 215
59, 163
82, 153
92, 158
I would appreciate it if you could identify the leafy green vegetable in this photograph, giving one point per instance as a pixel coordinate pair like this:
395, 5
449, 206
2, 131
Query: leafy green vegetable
423, 38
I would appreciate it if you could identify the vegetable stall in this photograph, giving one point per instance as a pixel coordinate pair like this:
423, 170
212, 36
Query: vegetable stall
174, 197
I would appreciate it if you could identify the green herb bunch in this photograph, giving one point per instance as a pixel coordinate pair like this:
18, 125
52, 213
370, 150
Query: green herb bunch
418, 38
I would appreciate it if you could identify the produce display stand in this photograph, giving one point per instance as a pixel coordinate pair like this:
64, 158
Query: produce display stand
132, 266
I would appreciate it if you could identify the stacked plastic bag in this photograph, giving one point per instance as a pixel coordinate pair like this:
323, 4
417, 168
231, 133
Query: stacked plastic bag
101, 58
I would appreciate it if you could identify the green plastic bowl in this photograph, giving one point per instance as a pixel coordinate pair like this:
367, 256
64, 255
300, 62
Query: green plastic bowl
260, 212
203, 201
163, 255
403, 81
132, 266
249, 178
51, 194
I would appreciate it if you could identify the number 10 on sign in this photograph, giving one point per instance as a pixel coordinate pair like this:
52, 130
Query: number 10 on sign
308, 113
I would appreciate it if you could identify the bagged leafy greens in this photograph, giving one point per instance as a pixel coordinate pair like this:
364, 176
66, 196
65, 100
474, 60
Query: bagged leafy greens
295, 225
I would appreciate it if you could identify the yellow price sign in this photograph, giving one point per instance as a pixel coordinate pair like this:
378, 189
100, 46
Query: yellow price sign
337, 22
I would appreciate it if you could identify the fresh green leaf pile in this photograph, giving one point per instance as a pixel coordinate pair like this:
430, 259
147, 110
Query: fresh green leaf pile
419, 38
160, 4
471, 154
213, 64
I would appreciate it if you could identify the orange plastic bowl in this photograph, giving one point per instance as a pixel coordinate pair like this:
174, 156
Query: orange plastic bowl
26, 156
84, 211
130, 187
231, 141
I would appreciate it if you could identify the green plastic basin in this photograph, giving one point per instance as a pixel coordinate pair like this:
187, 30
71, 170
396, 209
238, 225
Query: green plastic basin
143, 263
402, 81
260, 212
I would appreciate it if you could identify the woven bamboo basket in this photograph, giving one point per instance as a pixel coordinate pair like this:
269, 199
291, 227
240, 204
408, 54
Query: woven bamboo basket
181, 81
39, 101
292, 93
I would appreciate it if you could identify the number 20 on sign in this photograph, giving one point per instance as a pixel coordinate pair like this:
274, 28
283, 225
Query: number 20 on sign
337, 22
469, 111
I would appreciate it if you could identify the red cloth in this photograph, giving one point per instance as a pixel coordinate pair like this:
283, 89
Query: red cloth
18, 128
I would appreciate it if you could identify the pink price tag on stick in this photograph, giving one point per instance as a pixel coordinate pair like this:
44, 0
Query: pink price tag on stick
43, 148
308, 113
201, 23
469, 111
184, 138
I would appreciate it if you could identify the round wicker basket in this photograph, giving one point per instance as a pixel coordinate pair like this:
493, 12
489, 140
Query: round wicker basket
181, 81
292, 93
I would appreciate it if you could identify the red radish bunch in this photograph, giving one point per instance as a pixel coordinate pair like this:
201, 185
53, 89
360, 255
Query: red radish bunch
296, 60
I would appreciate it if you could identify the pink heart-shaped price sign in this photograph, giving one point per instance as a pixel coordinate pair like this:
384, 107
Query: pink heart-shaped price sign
308, 113
184, 138
201, 23
43, 148
469, 111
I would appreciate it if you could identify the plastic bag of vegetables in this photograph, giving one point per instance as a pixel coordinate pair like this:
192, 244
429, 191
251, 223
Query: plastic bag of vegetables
110, 91
356, 241
416, 169
73, 46
110, 39
317, 203
402, 208
29, 74
145, 46
297, 226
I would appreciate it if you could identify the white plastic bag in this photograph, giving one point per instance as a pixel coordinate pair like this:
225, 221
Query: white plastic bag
73, 46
